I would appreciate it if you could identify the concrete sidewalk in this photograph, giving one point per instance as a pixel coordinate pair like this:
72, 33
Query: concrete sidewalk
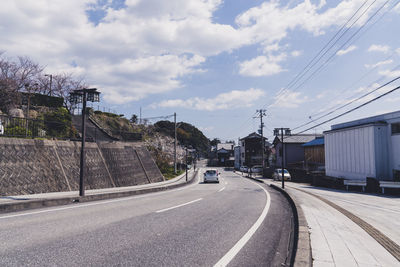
23, 202
349, 228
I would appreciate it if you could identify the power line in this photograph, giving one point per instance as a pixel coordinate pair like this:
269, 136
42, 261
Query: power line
281, 94
351, 110
341, 47
348, 103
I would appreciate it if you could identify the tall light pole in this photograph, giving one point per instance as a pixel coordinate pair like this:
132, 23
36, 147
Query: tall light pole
82, 96
51, 80
276, 133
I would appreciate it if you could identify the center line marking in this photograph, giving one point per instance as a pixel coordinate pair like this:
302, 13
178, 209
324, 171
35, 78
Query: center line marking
222, 189
178, 206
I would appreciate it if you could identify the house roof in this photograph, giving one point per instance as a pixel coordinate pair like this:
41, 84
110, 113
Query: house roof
226, 146
252, 135
297, 139
319, 141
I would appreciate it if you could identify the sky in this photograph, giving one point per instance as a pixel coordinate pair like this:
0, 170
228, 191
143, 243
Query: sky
216, 62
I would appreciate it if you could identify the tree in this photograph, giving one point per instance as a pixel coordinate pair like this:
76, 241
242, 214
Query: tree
215, 141
134, 119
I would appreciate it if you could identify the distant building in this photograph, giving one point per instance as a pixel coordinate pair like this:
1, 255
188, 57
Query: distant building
225, 154
368, 147
314, 154
293, 149
251, 150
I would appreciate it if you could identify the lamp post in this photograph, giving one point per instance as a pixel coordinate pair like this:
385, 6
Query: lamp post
51, 80
82, 96
276, 133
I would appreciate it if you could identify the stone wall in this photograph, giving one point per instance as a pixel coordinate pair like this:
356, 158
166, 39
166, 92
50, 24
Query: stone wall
41, 166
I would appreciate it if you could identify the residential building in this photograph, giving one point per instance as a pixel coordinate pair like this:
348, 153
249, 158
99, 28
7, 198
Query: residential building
314, 154
251, 150
225, 154
365, 148
292, 150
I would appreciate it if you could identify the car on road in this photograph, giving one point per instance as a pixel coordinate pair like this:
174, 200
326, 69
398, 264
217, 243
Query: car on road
243, 168
211, 175
278, 175
257, 169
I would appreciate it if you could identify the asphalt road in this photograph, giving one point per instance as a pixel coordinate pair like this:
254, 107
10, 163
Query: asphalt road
237, 222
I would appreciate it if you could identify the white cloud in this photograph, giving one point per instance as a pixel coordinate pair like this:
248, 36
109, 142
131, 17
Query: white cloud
390, 73
261, 66
230, 100
345, 51
379, 48
147, 46
289, 99
296, 53
380, 63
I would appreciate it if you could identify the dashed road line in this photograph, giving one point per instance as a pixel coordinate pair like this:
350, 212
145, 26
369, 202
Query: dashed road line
222, 189
178, 206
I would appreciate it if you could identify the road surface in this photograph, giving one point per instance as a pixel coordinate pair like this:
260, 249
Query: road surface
237, 222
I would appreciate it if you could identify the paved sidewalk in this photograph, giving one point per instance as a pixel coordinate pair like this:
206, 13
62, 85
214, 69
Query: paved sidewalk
337, 240
15, 203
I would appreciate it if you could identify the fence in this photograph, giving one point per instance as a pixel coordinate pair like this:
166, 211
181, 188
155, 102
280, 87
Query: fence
34, 128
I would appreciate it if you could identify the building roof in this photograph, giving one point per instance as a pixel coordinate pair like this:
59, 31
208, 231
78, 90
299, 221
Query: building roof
379, 118
253, 135
297, 139
226, 146
319, 141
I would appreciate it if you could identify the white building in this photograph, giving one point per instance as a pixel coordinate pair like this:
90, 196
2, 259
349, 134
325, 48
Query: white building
364, 148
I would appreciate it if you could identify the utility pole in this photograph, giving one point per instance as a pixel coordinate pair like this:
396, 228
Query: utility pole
276, 133
175, 142
261, 113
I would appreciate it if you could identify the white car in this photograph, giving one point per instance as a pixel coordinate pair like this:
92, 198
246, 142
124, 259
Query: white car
278, 175
257, 169
211, 176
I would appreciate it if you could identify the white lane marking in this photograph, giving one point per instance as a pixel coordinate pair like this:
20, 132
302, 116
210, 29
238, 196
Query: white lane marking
222, 189
178, 206
224, 261
98, 203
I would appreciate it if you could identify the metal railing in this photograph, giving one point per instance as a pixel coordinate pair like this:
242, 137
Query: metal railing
34, 128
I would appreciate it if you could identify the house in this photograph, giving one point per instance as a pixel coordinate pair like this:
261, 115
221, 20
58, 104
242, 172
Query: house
314, 154
292, 150
365, 148
251, 150
225, 154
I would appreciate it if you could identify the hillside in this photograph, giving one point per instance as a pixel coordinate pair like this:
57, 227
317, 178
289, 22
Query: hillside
187, 135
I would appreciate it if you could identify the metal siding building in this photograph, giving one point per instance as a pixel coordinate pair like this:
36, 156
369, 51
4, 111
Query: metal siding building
364, 148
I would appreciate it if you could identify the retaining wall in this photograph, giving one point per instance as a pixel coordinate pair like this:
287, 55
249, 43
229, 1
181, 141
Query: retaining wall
41, 166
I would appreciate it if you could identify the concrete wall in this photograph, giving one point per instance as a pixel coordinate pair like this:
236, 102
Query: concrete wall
41, 166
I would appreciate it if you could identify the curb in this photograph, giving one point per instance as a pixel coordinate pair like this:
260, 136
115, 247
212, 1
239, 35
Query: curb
42, 203
301, 249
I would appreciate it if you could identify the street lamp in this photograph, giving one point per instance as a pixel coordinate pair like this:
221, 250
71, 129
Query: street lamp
82, 96
276, 133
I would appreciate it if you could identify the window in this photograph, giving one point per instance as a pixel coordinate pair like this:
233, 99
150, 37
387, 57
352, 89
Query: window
395, 128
